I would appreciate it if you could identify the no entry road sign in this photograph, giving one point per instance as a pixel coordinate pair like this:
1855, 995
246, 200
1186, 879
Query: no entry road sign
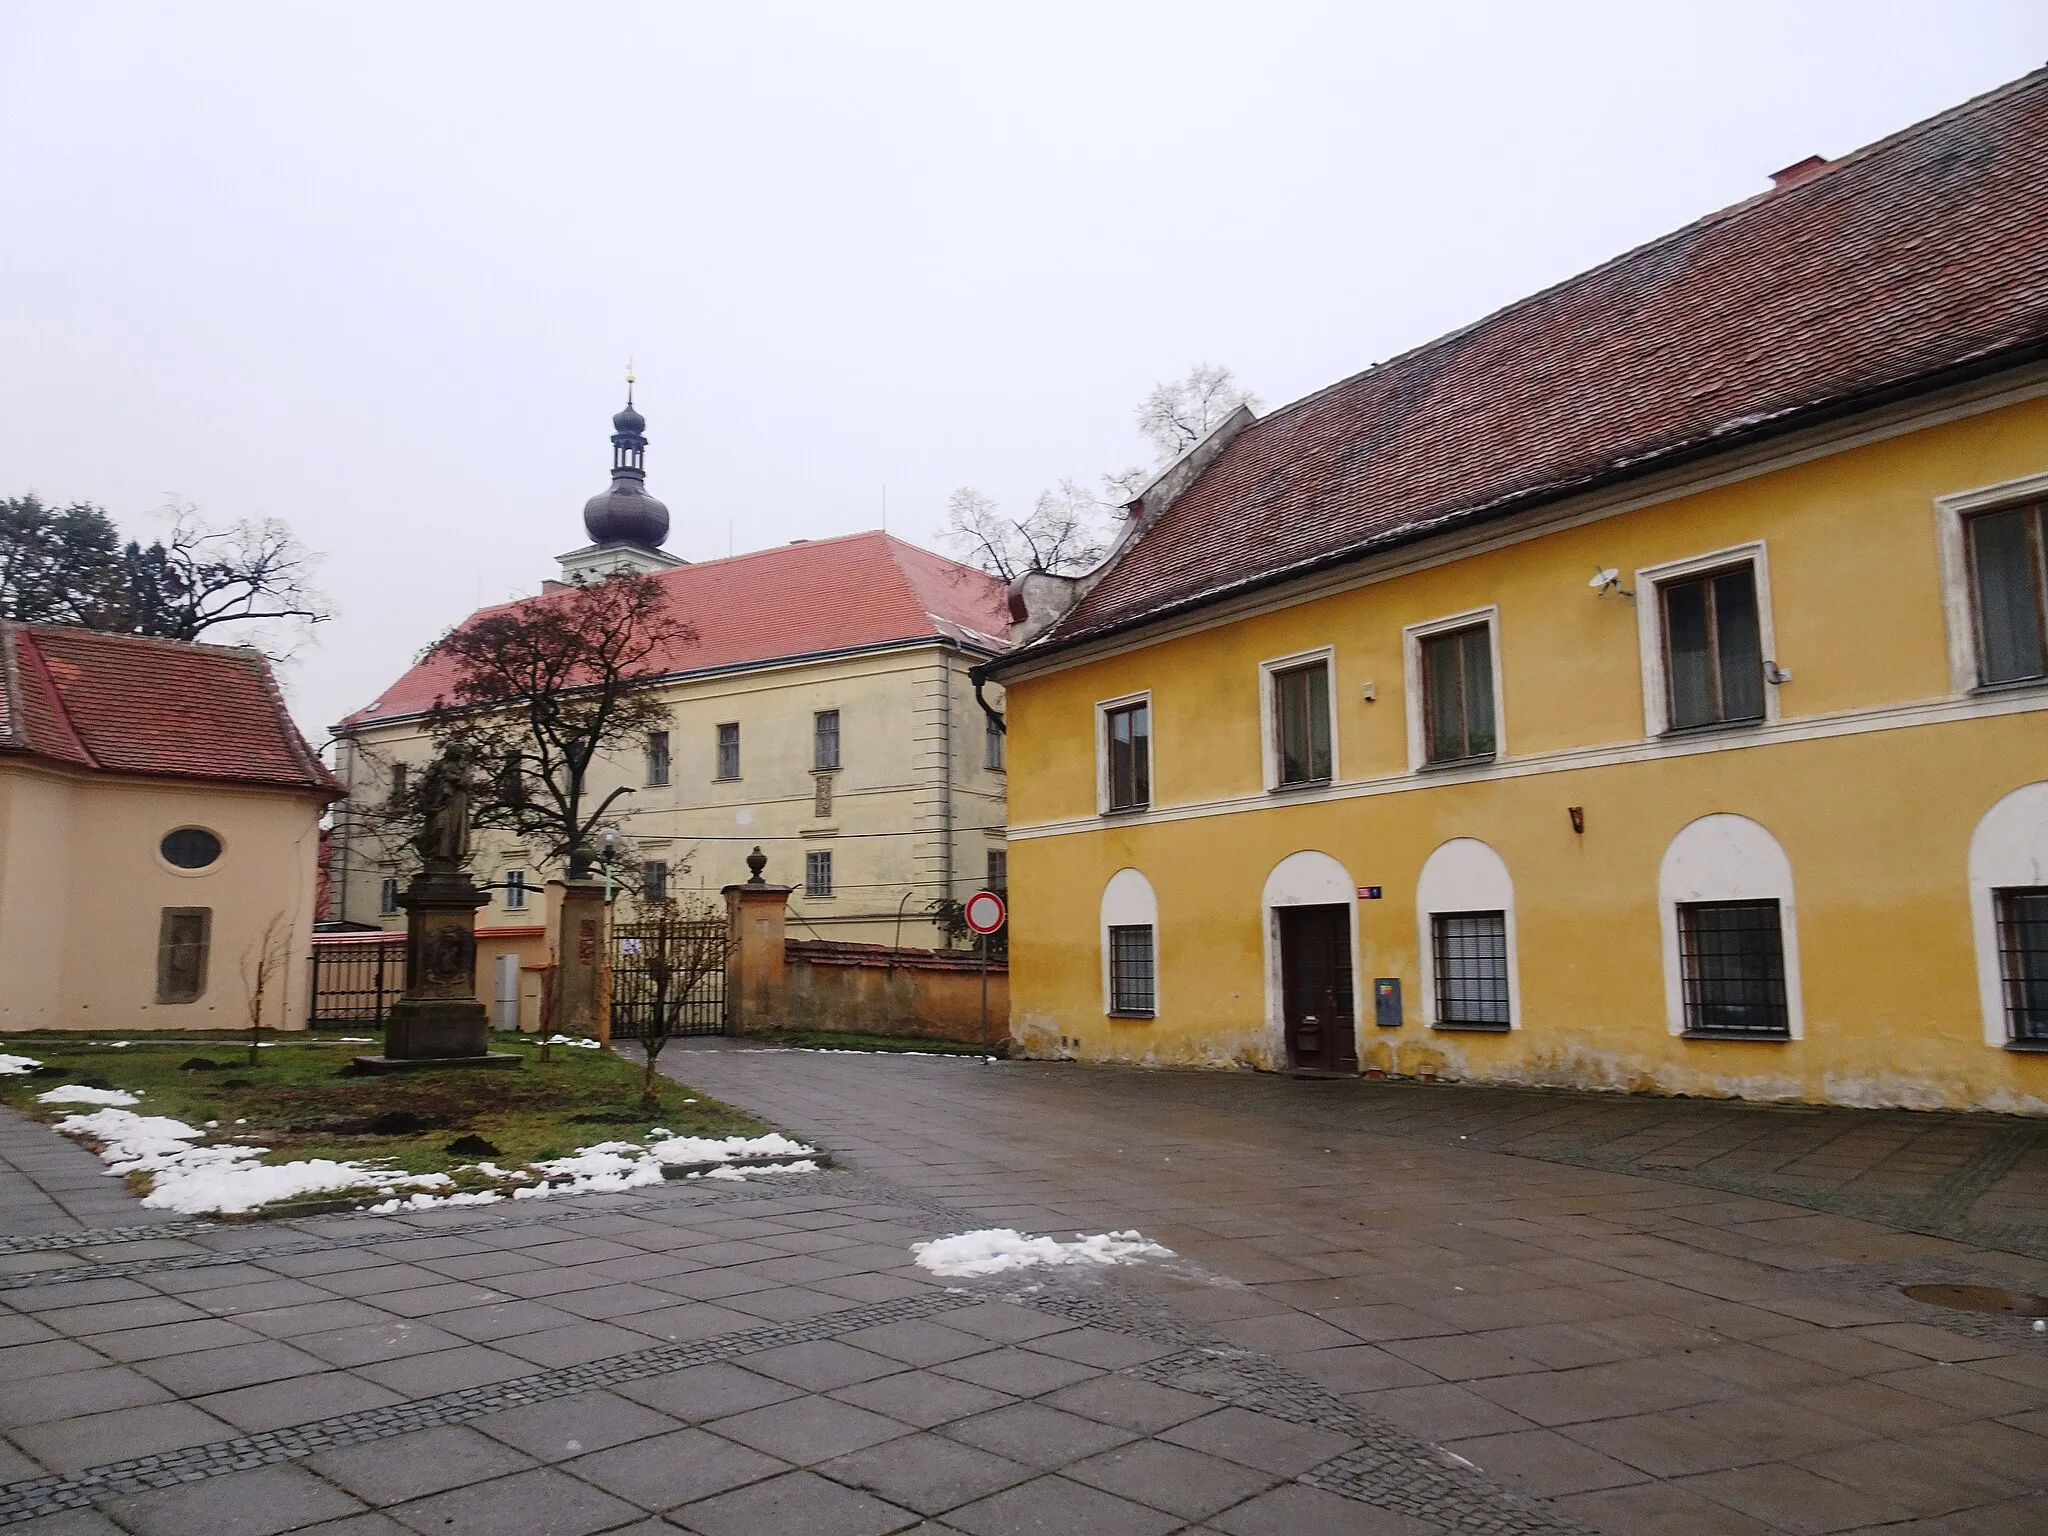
985, 912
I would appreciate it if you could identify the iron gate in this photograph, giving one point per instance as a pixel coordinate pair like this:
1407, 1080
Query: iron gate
674, 969
355, 981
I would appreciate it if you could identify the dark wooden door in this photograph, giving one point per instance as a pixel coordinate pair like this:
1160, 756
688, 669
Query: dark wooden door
1315, 988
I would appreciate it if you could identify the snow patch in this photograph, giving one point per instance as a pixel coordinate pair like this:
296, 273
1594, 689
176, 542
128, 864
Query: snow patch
78, 1093
580, 1042
739, 1174
995, 1249
17, 1066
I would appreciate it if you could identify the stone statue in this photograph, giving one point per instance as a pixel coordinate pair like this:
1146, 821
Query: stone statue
444, 813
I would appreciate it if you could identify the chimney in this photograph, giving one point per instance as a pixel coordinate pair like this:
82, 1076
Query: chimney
1798, 171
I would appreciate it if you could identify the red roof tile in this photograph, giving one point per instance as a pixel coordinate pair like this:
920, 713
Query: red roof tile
1923, 253
157, 708
817, 597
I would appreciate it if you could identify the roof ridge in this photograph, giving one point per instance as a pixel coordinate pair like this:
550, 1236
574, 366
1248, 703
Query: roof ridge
57, 700
1726, 214
295, 740
13, 721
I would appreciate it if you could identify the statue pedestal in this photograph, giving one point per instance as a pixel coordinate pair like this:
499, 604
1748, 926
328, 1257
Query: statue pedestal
439, 1022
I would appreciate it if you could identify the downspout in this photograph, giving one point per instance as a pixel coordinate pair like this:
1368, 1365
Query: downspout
946, 763
978, 676
342, 865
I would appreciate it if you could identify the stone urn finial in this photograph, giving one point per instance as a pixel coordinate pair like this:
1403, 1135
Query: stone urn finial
756, 862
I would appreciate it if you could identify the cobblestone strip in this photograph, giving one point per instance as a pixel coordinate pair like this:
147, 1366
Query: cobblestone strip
57, 1242
1392, 1470
34, 1497
121, 1269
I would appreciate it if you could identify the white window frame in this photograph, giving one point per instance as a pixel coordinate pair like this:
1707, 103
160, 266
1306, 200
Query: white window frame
831, 875
1102, 709
1958, 592
1414, 687
1651, 581
388, 889
1466, 874
1269, 718
515, 890
1128, 901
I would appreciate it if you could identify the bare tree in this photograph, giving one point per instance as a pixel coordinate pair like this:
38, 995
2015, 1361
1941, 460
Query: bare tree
1181, 412
196, 578
263, 968
539, 689
1068, 529
681, 946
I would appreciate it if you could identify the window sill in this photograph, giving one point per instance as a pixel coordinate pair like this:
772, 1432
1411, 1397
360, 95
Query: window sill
1143, 1018
1453, 764
1713, 728
2028, 1047
1474, 1029
1125, 810
818, 768
1751, 1036
726, 779
2011, 685
1296, 788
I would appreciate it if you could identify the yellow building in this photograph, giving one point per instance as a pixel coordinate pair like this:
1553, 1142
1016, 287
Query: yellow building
1644, 688
159, 832
823, 712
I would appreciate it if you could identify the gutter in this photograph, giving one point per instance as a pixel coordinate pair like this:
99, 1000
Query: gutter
1779, 424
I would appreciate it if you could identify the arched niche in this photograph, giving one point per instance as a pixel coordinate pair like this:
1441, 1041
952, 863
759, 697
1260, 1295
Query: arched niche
1464, 875
2009, 849
1128, 901
1724, 857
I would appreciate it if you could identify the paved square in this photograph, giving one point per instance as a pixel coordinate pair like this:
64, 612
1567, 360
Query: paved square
1393, 1308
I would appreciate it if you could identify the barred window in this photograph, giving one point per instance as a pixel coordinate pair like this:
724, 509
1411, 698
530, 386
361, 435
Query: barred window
1471, 954
825, 739
729, 751
1732, 969
387, 896
1131, 970
654, 880
184, 936
998, 870
818, 874
2023, 961
657, 759
515, 889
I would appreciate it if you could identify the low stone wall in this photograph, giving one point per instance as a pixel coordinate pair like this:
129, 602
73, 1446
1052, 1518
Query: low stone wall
874, 989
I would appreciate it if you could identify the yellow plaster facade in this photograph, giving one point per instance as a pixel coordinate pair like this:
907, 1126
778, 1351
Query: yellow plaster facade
1876, 766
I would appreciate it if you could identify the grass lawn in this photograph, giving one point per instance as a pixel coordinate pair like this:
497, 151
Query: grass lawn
303, 1098
835, 1040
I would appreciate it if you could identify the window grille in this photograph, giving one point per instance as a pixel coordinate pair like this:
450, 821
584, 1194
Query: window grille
825, 739
2009, 570
1301, 723
654, 880
1714, 648
1471, 954
2023, 962
657, 759
1131, 989
1128, 729
515, 889
1732, 969
184, 937
729, 751
818, 874
1457, 694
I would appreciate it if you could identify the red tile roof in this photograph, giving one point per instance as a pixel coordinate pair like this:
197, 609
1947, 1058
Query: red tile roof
157, 708
807, 599
1905, 262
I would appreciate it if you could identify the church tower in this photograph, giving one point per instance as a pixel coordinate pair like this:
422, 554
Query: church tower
627, 526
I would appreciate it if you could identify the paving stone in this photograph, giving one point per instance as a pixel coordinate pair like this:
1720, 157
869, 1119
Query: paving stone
570, 1426
680, 1324
389, 1338
254, 1503
1544, 1463
75, 1393
794, 1502
445, 1370
1171, 1477
91, 1440
543, 1502
154, 1343
301, 1400
1006, 1322
679, 1467
72, 1522
1051, 1505
1660, 1507
1019, 1372
921, 1343
503, 1320
808, 1430
1256, 1440
1037, 1435
577, 1344
403, 1467
705, 1392
926, 1473
198, 1372
921, 1399
1791, 1499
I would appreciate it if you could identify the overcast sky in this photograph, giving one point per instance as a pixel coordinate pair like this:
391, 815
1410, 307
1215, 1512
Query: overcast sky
377, 270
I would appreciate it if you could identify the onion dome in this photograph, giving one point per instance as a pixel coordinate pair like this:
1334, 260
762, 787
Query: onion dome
626, 514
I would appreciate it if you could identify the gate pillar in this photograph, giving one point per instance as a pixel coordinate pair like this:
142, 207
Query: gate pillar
757, 970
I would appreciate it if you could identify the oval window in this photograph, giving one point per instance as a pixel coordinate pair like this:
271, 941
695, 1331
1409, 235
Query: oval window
190, 848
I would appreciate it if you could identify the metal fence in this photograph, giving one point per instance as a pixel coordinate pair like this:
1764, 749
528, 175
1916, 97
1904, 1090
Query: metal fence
355, 981
672, 973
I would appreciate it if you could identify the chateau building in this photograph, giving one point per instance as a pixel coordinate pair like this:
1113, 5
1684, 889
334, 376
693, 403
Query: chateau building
824, 713
1645, 687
